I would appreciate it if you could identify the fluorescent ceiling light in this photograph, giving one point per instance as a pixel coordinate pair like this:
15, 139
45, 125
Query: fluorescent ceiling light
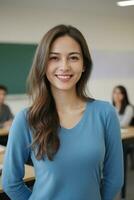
125, 3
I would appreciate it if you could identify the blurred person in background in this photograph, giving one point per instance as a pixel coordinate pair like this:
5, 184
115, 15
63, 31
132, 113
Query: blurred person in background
123, 106
125, 111
6, 115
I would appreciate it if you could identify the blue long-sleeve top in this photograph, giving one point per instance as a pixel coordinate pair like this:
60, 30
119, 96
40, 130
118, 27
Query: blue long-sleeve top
87, 166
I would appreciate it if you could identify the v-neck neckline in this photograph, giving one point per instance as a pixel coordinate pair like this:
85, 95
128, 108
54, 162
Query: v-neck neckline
79, 122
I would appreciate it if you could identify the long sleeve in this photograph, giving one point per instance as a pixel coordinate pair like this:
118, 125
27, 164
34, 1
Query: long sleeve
127, 116
16, 155
113, 171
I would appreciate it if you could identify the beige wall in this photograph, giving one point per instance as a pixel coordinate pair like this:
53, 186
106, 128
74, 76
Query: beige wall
18, 24
28, 24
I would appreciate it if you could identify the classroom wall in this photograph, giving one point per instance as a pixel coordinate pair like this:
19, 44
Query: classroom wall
27, 24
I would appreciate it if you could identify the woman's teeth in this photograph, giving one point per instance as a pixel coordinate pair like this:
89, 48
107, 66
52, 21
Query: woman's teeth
64, 77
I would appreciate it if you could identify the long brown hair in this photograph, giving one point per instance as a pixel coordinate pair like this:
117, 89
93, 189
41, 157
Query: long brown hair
42, 114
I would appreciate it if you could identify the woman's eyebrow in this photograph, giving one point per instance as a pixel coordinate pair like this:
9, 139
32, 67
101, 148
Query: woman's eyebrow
57, 53
75, 53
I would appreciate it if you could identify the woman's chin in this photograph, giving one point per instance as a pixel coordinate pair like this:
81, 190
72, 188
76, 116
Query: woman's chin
64, 88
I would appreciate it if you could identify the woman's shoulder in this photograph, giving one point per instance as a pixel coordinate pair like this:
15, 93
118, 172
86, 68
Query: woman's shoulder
22, 112
102, 109
130, 107
20, 126
102, 105
21, 116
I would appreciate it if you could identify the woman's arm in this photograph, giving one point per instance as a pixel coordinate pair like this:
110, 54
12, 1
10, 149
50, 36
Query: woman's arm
113, 171
127, 116
17, 153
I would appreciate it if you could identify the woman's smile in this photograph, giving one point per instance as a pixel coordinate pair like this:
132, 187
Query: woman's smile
64, 77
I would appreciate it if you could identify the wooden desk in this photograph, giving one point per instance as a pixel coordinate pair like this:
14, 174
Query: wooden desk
29, 173
2, 149
4, 131
127, 133
4, 136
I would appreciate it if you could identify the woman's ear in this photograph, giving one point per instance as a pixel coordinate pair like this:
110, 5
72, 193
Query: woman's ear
83, 69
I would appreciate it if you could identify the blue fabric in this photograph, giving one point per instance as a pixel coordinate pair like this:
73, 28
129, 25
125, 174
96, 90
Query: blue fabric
88, 165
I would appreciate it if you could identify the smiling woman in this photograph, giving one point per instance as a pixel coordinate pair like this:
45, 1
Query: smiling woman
65, 63
71, 138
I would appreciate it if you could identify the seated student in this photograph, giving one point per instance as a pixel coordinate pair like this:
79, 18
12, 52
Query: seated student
6, 115
123, 107
125, 113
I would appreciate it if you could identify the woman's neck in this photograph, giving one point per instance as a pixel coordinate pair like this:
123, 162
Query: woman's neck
118, 105
66, 99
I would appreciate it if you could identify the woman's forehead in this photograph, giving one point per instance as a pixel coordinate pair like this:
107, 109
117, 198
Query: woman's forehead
65, 44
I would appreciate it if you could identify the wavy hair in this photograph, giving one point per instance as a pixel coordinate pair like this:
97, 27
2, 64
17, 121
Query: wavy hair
43, 117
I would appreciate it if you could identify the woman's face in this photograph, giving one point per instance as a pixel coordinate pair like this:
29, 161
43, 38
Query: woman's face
65, 63
117, 95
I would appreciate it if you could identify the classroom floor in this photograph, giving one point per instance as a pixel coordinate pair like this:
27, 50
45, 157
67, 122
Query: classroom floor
130, 185
130, 189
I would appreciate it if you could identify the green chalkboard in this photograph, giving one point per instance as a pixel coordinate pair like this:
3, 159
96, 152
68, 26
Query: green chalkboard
15, 63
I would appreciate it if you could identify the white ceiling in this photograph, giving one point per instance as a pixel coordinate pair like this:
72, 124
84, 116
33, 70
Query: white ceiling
94, 7
105, 25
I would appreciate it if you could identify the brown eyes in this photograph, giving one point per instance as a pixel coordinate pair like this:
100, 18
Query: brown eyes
53, 58
56, 58
74, 58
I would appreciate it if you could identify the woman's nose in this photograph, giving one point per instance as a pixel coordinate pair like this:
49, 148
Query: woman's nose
64, 64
